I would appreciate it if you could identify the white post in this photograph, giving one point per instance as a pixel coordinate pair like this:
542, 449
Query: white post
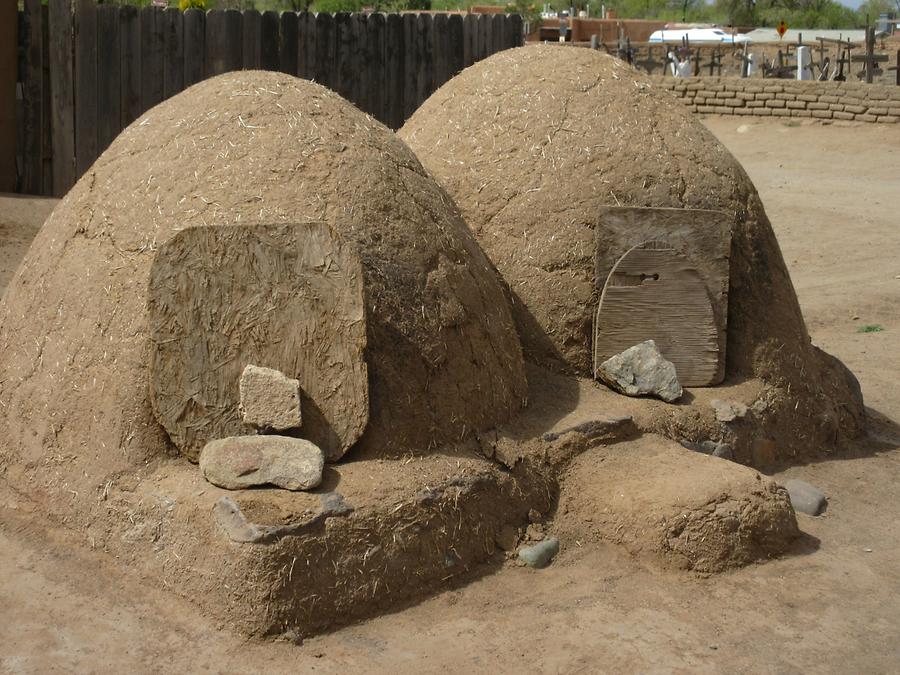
804, 61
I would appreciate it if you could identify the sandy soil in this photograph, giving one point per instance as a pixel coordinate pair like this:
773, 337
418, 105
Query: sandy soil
832, 195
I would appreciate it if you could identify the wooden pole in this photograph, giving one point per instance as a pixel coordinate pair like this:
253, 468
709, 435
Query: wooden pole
9, 19
870, 54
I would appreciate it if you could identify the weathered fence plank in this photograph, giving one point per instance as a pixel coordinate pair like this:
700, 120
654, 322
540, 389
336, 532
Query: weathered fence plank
112, 62
47, 108
194, 46
173, 51
394, 71
517, 30
376, 67
424, 53
343, 43
152, 50
32, 93
498, 33
109, 69
470, 40
456, 44
9, 67
288, 52
251, 50
224, 41
485, 36
269, 36
325, 50
410, 66
440, 49
130, 44
62, 96
359, 61
86, 94
306, 45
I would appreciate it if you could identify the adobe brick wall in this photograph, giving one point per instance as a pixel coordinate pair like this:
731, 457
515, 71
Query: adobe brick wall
787, 98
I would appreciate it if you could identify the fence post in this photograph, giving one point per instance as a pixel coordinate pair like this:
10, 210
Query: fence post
9, 47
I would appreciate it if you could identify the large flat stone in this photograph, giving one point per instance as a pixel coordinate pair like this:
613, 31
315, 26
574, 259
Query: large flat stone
241, 462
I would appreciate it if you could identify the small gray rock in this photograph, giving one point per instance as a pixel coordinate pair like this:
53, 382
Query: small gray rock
269, 399
246, 461
641, 371
540, 554
728, 411
231, 519
722, 450
806, 498
704, 447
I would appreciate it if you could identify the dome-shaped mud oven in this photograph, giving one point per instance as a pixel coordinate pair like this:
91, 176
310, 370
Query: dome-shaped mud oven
615, 217
255, 219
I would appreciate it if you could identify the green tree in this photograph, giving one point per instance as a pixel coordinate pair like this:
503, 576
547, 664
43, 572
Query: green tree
738, 12
873, 8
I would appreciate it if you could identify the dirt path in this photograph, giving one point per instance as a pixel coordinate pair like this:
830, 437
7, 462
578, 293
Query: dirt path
833, 606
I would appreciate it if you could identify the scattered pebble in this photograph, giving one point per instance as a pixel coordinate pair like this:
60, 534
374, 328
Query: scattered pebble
539, 555
806, 498
721, 450
728, 411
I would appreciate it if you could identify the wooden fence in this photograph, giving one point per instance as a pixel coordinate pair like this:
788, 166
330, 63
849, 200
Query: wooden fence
88, 71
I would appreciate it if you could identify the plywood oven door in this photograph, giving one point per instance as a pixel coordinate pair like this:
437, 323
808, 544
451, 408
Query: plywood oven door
655, 293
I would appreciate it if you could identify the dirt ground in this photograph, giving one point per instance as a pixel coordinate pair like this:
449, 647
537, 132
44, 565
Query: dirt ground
832, 606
